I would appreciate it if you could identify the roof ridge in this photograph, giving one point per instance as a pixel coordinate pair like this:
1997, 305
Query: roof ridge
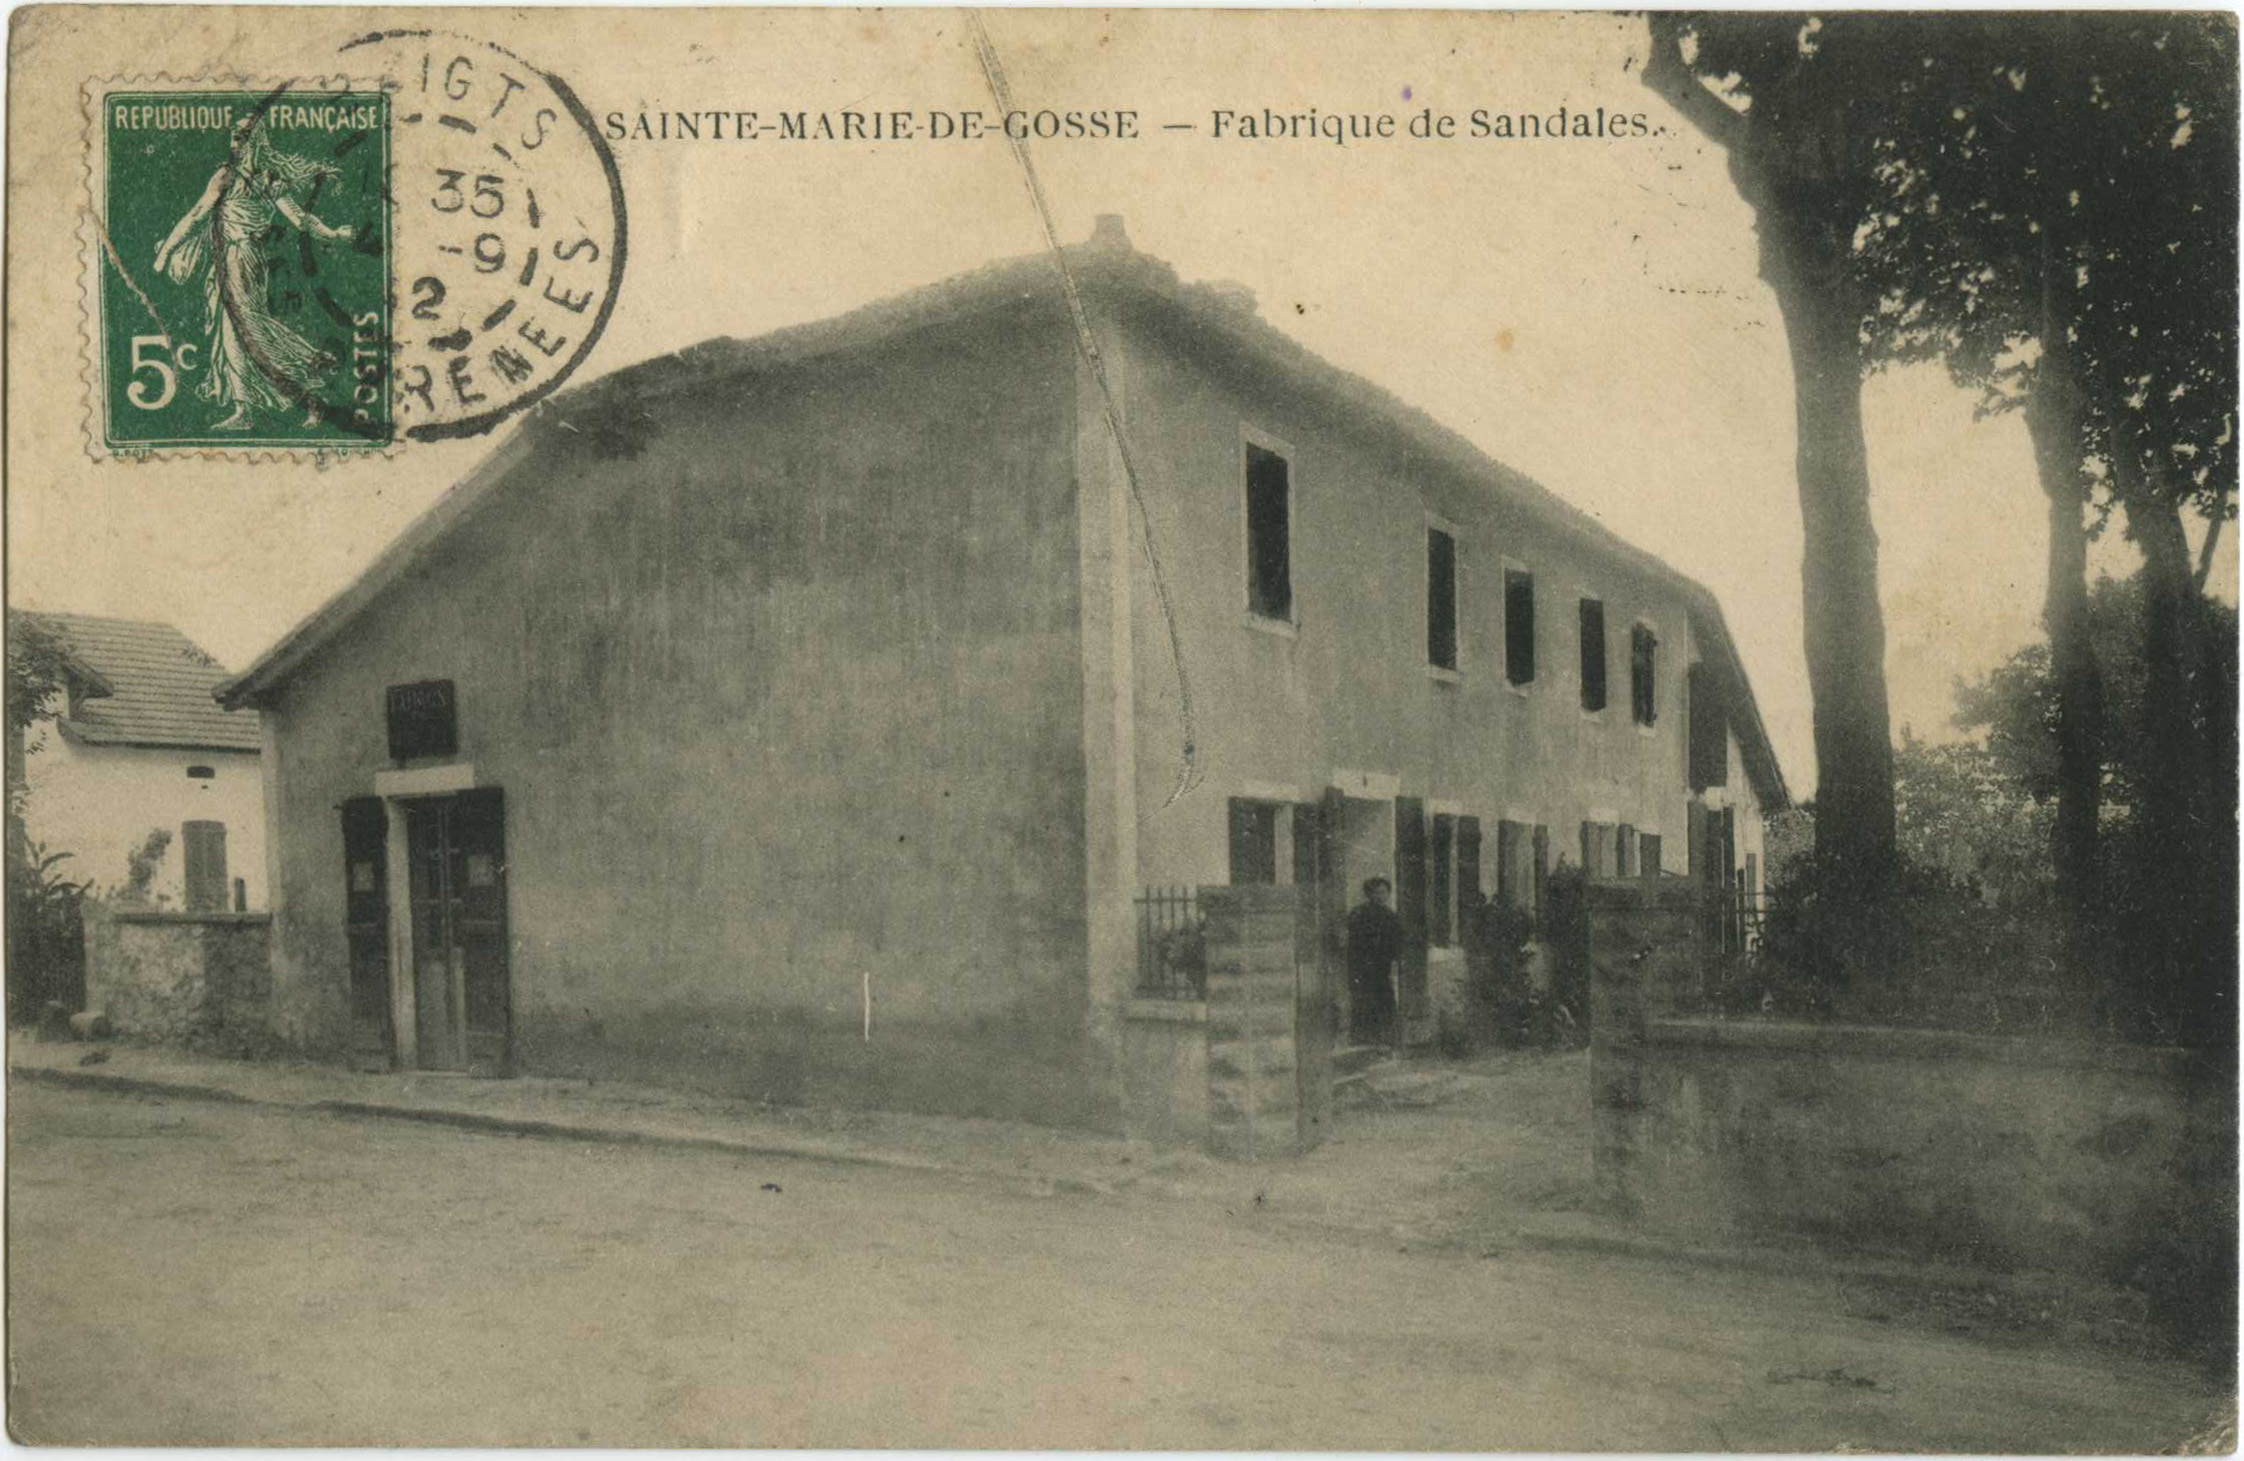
1108, 268
101, 619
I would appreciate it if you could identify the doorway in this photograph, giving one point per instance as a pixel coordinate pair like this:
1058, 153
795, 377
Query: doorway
456, 861
1362, 845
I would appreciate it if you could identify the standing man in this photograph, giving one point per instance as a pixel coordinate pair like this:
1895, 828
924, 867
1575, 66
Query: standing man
1375, 942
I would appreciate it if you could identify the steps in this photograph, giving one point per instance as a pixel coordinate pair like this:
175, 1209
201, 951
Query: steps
1354, 1063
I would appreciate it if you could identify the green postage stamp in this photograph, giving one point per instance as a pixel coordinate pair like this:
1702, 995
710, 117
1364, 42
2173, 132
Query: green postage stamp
243, 295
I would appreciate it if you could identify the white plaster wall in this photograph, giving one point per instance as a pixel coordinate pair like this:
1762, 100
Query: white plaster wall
99, 803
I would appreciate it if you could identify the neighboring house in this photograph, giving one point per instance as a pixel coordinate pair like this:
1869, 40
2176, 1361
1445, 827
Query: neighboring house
153, 790
808, 716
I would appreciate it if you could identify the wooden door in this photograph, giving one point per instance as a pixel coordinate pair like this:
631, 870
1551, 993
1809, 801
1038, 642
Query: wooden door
462, 1004
1314, 970
1411, 894
366, 921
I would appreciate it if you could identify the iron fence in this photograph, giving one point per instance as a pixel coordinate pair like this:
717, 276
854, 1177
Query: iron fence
1740, 914
1172, 945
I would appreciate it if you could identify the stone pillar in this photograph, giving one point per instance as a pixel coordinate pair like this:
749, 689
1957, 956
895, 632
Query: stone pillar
1647, 936
1254, 1098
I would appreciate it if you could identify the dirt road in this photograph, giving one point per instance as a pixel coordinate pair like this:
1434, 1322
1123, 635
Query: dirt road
195, 1273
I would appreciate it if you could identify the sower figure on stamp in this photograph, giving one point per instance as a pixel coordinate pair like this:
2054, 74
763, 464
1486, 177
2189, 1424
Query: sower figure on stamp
1375, 942
255, 359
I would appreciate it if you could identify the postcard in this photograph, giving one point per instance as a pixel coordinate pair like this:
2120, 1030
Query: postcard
1151, 728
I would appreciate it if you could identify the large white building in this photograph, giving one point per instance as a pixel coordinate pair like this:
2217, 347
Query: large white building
134, 763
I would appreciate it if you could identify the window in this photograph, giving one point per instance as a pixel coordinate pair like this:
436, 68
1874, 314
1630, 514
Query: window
1269, 535
1441, 599
1643, 670
1519, 626
1593, 654
1710, 731
1648, 853
1624, 855
206, 866
1254, 842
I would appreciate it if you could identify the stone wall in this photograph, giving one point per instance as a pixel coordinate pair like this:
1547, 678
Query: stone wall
2096, 1161
2002, 1154
1165, 1071
179, 978
1647, 936
1255, 1103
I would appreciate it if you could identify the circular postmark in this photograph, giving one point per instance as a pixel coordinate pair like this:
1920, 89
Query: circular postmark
507, 239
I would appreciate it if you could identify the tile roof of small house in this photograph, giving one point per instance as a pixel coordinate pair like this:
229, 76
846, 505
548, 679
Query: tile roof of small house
145, 684
1210, 319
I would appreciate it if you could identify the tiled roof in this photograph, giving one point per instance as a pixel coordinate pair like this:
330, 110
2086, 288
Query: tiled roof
1213, 318
159, 682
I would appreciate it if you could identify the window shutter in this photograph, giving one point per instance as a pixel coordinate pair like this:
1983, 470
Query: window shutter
1542, 870
1468, 862
1514, 887
1644, 674
1648, 854
1519, 626
1410, 895
366, 903
1441, 882
1441, 599
1624, 852
1710, 729
206, 866
1593, 654
1589, 849
1305, 844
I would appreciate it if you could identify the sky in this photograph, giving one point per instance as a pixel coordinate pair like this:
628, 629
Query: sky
1586, 310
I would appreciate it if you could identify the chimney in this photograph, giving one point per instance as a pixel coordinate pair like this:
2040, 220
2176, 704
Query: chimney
1108, 233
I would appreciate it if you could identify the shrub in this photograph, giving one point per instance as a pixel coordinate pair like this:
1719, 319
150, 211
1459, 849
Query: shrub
1562, 1016
46, 941
1925, 948
1498, 986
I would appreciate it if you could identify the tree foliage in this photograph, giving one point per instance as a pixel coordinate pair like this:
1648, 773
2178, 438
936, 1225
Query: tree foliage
2013, 707
2047, 205
1963, 811
45, 941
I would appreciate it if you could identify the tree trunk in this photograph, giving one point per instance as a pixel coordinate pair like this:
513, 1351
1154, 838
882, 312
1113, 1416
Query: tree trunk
1846, 630
2184, 865
1785, 162
2053, 423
